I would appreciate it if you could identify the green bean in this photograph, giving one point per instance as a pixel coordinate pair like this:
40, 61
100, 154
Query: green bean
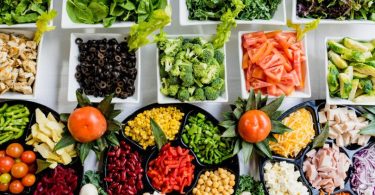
204, 138
13, 121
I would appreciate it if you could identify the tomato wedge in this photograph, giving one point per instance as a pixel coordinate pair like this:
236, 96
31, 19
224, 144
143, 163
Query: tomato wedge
245, 61
257, 84
258, 73
275, 72
298, 66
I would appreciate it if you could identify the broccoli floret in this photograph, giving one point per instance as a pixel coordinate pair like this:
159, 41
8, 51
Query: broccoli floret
187, 46
172, 46
191, 90
211, 93
219, 56
199, 69
173, 80
172, 90
167, 62
187, 79
208, 52
218, 84
199, 95
212, 73
175, 71
186, 66
161, 40
365, 85
197, 40
183, 94
197, 49
181, 55
164, 88
162, 71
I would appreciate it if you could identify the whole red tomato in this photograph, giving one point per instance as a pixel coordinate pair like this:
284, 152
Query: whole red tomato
4, 187
28, 180
87, 124
28, 157
254, 126
19, 170
14, 150
16, 187
6, 164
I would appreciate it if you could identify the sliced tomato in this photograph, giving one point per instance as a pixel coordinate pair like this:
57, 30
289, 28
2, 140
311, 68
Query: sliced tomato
290, 78
297, 66
274, 91
267, 52
271, 61
275, 72
258, 73
285, 46
272, 34
245, 61
248, 78
259, 53
257, 84
287, 89
287, 66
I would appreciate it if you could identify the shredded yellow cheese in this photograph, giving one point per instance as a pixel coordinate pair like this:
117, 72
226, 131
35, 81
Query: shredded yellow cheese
291, 143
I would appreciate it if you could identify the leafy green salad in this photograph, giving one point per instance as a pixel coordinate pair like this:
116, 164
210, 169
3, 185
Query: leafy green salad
214, 9
22, 11
351, 69
108, 12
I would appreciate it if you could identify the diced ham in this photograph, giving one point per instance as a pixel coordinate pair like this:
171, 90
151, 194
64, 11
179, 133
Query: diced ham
326, 168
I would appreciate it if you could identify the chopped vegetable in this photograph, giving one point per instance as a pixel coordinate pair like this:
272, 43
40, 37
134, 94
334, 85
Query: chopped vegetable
339, 10
14, 120
18, 59
124, 170
362, 179
214, 9
172, 170
190, 69
45, 133
326, 168
60, 179
108, 12
220, 181
22, 11
248, 184
344, 125
281, 178
205, 140
42, 25
139, 128
273, 63
351, 68
291, 143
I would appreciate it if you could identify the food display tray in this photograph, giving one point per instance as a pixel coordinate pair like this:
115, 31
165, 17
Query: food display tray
150, 153
314, 107
32, 106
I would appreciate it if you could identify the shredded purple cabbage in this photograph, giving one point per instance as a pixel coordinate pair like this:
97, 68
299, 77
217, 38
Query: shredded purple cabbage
363, 177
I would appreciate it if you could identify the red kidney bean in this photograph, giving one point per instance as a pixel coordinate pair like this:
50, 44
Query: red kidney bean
124, 171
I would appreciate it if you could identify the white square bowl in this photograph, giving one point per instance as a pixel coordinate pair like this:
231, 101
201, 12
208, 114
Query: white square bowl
305, 93
73, 85
278, 19
27, 25
297, 20
67, 23
163, 99
336, 100
19, 96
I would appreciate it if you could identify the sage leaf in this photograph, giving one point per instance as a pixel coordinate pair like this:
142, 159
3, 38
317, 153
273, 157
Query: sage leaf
65, 141
105, 105
238, 113
279, 128
250, 105
82, 99
84, 149
247, 150
320, 140
236, 148
369, 130
230, 132
273, 106
227, 123
258, 100
263, 147
42, 165
112, 139
158, 133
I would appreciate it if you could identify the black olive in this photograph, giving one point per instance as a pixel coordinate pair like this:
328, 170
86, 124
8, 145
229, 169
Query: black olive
118, 58
78, 75
78, 41
112, 41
